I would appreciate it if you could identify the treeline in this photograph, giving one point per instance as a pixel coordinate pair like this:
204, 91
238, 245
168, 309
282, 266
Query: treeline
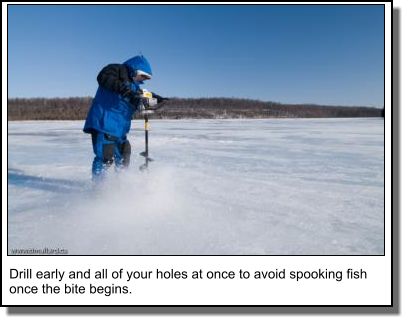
76, 108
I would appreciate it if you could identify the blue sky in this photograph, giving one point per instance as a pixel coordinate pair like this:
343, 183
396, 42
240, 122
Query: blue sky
323, 54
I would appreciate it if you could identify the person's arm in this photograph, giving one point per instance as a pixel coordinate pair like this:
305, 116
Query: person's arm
159, 98
115, 78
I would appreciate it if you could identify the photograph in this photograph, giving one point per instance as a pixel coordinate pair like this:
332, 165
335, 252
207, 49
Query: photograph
196, 129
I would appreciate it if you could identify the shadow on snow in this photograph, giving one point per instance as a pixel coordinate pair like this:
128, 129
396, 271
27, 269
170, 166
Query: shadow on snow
19, 178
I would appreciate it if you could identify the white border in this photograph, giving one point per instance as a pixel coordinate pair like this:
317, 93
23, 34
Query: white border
376, 290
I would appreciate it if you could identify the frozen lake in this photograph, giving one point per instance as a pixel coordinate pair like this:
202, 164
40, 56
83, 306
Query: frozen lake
217, 187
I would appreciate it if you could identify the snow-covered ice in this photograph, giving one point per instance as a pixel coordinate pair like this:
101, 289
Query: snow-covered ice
219, 187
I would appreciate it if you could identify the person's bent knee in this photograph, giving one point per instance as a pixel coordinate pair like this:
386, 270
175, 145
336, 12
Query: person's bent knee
108, 153
126, 152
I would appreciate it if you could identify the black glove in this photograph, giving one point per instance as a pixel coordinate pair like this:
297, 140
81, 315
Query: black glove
136, 100
125, 90
159, 98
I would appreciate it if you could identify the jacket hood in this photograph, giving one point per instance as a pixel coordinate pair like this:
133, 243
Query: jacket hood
139, 63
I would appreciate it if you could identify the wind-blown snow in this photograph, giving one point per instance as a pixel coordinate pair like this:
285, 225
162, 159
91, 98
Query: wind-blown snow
237, 187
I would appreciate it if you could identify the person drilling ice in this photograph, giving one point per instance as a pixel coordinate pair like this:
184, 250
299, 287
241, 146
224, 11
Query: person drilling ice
117, 99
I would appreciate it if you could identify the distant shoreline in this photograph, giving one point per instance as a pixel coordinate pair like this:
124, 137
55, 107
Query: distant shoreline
76, 108
203, 119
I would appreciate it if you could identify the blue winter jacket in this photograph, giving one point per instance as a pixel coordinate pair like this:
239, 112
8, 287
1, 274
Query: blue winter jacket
111, 111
